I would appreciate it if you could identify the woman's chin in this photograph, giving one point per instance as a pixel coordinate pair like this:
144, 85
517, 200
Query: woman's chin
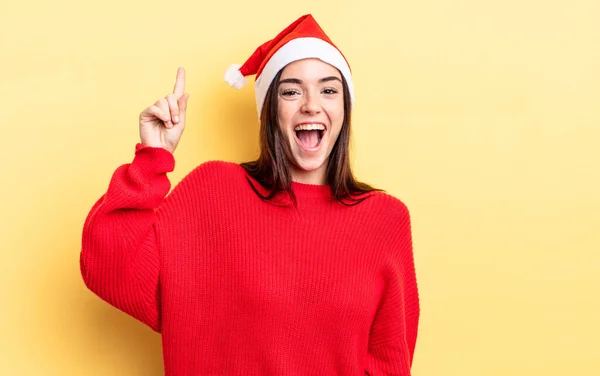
309, 165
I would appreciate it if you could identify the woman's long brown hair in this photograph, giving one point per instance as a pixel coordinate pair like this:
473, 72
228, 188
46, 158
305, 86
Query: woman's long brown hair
272, 168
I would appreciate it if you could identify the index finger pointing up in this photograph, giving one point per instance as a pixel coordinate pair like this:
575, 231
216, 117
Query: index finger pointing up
179, 88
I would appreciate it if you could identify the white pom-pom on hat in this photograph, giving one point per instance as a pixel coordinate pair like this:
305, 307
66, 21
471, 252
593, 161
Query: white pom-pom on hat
234, 77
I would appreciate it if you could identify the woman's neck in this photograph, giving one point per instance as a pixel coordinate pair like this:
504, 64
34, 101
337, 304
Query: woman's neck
314, 177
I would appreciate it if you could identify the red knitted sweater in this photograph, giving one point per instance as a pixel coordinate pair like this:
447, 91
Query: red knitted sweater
241, 286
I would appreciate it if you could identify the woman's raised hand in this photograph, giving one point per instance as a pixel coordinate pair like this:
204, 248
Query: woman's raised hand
162, 124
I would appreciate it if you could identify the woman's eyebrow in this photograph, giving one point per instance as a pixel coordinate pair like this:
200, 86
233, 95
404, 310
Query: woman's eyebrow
290, 81
330, 78
299, 81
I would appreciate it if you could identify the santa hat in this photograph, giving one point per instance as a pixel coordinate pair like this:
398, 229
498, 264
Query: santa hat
303, 39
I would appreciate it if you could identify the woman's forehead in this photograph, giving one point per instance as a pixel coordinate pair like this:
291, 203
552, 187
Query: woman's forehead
310, 69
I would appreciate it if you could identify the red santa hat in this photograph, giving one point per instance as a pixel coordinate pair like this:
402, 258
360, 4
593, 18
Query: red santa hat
302, 39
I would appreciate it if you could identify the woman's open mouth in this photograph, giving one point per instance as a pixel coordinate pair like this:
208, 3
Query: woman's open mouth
309, 136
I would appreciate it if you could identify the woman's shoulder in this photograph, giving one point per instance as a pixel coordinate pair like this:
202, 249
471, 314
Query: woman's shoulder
386, 205
391, 217
213, 173
216, 169
389, 213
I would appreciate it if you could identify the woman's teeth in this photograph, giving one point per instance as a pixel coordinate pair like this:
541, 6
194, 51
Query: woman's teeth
309, 127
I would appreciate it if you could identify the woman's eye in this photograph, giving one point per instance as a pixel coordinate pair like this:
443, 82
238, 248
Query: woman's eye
289, 93
330, 91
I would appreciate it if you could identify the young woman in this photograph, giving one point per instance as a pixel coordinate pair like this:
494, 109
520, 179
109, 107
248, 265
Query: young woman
281, 266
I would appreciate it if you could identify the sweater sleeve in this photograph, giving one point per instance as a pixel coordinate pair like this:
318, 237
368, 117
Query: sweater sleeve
119, 259
394, 330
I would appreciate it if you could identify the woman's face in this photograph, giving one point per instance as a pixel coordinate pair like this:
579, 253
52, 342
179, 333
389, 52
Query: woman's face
310, 112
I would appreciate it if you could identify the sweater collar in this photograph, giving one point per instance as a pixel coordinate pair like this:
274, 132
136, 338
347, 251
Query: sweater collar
301, 190
312, 190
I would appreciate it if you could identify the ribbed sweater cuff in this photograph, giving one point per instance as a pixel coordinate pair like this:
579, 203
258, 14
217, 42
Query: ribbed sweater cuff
142, 184
153, 161
389, 359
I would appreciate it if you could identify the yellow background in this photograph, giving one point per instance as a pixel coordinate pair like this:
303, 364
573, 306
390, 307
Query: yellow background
482, 116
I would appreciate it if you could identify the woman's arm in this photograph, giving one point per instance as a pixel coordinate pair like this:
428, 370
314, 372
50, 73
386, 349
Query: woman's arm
394, 331
120, 260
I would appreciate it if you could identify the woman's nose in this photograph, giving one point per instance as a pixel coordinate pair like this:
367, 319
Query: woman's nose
311, 104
